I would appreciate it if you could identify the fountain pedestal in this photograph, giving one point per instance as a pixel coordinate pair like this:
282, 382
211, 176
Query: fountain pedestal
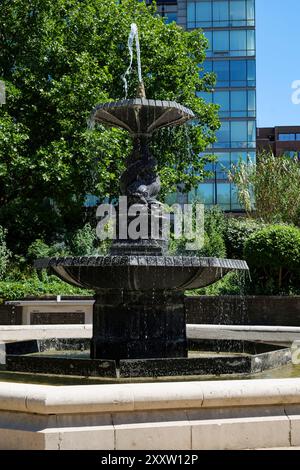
139, 312
139, 324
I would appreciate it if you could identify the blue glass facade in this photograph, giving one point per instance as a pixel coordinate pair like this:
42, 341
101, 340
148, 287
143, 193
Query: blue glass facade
220, 13
229, 26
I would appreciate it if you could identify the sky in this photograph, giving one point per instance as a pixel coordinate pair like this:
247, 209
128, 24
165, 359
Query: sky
278, 62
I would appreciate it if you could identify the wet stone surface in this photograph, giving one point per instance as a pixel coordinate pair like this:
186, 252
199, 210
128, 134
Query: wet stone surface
62, 366
186, 366
131, 325
256, 358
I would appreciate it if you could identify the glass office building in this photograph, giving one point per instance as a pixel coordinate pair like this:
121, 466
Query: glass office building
229, 26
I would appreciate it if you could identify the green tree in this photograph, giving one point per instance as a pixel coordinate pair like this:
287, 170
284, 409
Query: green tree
269, 189
59, 58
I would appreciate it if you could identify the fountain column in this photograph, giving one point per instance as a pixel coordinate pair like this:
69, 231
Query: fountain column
139, 324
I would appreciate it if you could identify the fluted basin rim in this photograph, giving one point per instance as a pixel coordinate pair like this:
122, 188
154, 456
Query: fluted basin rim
141, 116
143, 102
176, 261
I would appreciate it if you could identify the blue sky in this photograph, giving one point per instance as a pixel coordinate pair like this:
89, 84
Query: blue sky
278, 61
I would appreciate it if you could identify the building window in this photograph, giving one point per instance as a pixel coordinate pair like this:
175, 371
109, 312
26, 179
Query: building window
221, 13
225, 160
222, 98
237, 11
242, 73
223, 195
239, 133
217, 189
251, 103
238, 72
288, 137
231, 73
223, 135
170, 17
231, 43
233, 103
220, 41
209, 37
239, 106
251, 134
205, 193
222, 71
236, 134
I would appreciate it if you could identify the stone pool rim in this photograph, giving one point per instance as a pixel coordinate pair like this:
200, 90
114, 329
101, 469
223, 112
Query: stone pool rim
48, 399
220, 415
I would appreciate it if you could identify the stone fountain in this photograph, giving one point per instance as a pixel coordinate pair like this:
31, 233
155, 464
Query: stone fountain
139, 302
139, 331
139, 311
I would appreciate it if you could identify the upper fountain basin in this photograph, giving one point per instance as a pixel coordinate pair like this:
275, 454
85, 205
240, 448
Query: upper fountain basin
141, 272
140, 115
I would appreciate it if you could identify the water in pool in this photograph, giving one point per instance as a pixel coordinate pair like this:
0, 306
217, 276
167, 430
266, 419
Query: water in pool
288, 371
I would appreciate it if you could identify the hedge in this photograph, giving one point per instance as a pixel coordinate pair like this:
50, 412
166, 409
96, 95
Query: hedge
273, 255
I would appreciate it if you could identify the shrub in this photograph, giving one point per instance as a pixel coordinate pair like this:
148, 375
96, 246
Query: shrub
85, 242
273, 255
40, 249
214, 246
214, 220
4, 252
236, 233
214, 226
36, 286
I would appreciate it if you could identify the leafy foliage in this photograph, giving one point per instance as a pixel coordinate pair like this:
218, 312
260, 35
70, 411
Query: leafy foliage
59, 58
273, 255
40, 249
85, 242
215, 220
269, 189
214, 245
214, 226
237, 232
37, 286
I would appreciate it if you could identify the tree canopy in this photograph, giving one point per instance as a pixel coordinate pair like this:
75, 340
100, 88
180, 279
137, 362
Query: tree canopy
59, 58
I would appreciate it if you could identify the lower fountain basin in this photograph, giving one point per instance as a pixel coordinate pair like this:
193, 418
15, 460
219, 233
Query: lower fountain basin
67, 357
141, 272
